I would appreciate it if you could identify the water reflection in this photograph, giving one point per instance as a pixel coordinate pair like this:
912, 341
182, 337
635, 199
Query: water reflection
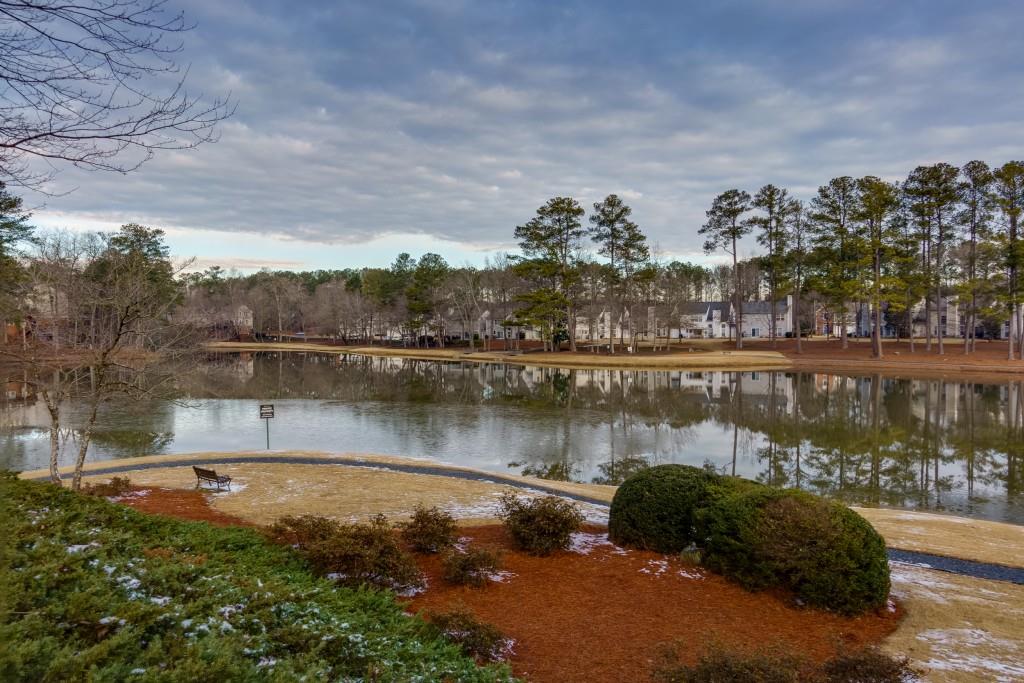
927, 444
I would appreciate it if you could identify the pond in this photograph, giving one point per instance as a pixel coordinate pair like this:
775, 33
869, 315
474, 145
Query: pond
925, 444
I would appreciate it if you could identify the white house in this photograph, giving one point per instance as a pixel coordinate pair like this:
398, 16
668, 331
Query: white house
757, 318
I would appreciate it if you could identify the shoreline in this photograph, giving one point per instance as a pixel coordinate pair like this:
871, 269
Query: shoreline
908, 530
709, 358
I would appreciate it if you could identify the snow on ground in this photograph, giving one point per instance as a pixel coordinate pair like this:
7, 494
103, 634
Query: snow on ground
584, 544
969, 650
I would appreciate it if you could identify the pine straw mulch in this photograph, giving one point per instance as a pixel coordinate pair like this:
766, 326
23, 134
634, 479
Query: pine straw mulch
600, 613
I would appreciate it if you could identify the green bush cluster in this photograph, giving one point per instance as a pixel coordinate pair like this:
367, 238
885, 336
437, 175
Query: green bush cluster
869, 665
542, 525
96, 591
760, 536
430, 530
470, 567
477, 639
351, 554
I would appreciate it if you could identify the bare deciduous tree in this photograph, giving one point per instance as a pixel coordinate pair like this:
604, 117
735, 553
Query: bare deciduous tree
95, 84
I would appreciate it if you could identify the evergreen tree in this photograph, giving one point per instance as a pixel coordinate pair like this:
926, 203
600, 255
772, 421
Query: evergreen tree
551, 242
1009, 198
724, 230
839, 247
878, 201
771, 234
620, 241
975, 216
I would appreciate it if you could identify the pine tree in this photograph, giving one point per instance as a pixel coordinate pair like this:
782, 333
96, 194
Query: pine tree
551, 242
771, 233
724, 230
620, 241
839, 246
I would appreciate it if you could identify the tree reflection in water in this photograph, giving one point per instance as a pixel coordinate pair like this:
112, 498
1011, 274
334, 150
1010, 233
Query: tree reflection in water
916, 443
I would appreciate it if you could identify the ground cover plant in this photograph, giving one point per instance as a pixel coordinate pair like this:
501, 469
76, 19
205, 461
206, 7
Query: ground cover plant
117, 486
91, 590
430, 530
352, 554
760, 536
542, 525
478, 639
471, 566
718, 665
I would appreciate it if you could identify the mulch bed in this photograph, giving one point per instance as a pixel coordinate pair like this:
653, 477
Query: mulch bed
192, 504
605, 614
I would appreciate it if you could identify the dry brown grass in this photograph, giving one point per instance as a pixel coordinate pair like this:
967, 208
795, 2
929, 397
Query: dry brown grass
670, 360
969, 539
957, 628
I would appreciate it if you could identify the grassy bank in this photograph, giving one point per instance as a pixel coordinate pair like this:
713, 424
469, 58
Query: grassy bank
91, 590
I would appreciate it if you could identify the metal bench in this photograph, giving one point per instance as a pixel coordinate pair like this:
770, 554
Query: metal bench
211, 477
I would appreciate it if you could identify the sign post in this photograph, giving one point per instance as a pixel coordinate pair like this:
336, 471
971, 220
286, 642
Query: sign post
266, 414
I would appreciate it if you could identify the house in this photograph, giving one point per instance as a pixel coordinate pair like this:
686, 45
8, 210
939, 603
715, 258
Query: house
943, 319
757, 318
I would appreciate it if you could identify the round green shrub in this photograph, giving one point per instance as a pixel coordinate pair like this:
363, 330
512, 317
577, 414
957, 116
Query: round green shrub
542, 525
654, 509
828, 555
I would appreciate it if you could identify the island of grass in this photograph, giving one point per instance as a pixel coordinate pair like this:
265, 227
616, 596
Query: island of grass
92, 590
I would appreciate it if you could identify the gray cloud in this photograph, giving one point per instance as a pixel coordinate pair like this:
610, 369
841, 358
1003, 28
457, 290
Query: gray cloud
458, 119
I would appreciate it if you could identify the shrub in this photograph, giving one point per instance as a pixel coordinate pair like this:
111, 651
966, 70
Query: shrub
828, 555
430, 530
654, 509
94, 591
760, 536
117, 486
723, 666
540, 525
352, 554
473, 567
478, 639
869, 665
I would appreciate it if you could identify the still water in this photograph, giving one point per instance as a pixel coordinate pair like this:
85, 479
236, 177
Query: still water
913, 443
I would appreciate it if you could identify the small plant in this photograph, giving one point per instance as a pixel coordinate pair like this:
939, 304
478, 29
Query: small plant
478, 639
352, 554
430, 530
540, 525
869, 665
473, 567
717, 665
117, 486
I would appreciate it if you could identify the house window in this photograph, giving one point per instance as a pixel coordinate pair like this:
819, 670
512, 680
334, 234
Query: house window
753, 332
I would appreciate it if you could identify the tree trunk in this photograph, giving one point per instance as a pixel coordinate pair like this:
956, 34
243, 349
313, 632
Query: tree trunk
737, 297
83, 446
796, 317
876, 304
53, 407
841, 315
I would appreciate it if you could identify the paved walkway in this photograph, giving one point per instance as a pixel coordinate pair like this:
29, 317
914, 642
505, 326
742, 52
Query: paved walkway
980, 570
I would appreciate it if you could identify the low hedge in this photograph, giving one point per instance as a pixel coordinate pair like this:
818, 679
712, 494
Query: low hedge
655, 508
760, 536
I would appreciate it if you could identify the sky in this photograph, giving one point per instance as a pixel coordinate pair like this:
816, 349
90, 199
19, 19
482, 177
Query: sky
364, 129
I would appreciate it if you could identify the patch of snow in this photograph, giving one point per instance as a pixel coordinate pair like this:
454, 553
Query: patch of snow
502, 576
160, 600
584, 544
951, 651
266, 662
236, 487
655, 567
694, 574
138, 671
73, 549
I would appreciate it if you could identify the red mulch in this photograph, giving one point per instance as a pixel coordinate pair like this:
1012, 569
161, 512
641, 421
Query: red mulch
604, 616
192, 504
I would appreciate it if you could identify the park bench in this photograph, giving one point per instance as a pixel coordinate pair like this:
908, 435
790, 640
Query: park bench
211, 477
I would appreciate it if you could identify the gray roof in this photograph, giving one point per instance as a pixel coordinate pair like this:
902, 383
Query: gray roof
763, 307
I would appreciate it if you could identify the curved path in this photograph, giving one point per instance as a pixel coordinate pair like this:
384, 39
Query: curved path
981, 570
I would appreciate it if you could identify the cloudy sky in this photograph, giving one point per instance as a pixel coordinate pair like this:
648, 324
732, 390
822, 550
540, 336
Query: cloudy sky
368, 128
